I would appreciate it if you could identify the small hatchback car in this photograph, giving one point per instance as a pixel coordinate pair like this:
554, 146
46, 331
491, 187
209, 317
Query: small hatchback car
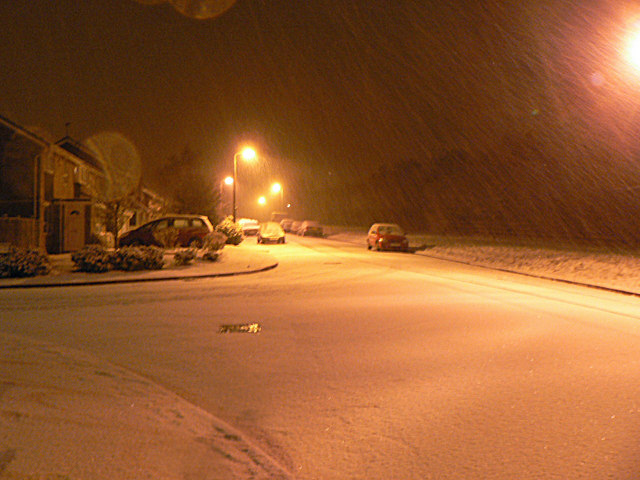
387, 236
249, 226
188, 231
271, 232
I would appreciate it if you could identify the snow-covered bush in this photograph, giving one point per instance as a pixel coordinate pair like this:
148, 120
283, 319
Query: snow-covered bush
184, 256
232, 230
211, 255
214, 241
19, 262
167, 237
138, 258
96, 259
92, 259
213, 244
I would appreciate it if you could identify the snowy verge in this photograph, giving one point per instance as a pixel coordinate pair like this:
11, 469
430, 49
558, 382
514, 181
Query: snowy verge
600, 269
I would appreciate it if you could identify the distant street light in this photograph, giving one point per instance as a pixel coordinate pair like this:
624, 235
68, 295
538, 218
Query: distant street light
224, 197
248, 154
262, 200
277, 188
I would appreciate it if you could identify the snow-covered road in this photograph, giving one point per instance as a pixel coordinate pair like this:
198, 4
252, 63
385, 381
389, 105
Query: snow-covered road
368, 366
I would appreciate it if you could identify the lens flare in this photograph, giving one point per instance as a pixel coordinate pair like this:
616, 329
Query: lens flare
199, 9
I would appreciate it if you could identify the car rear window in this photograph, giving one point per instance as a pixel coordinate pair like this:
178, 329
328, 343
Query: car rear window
196, 222
391, 230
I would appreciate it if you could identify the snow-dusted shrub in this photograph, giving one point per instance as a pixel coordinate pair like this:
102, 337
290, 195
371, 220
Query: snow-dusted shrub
92, 259
20, 262
184, 256
232, 230
167, 237
211, 255
214, 241
138, 258
213, 244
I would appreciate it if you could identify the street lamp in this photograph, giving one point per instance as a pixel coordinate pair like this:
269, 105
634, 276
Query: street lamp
248, 154
262, 200
277, 188
633, 48
224, 196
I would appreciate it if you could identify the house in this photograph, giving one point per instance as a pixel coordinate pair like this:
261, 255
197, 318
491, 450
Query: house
51, 194
22, 192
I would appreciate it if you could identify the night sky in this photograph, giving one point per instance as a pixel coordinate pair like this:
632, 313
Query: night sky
333, 86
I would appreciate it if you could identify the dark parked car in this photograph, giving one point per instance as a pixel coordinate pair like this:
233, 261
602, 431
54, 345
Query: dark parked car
295, 226
310, 228
387, 236
271, 232
286, 224
184, 230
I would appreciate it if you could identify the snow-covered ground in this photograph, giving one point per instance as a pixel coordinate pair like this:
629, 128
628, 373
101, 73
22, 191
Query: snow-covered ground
67, 414
607, 270
71, 413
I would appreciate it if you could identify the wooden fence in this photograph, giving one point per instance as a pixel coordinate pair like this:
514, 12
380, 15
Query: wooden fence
20, 232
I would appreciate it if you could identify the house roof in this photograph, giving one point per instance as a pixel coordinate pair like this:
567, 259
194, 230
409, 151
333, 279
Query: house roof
23, 131
79, 150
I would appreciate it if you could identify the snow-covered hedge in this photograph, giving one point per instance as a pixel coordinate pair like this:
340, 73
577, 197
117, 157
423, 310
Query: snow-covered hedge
19, 262
92, 259
138, 258
184, 256
96, 259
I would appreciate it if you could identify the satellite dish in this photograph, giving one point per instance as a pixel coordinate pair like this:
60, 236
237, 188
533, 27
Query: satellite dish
120, 162
200, 9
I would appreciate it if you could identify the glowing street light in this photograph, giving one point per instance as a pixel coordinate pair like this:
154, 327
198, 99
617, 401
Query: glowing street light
277, 188
262, 200
633, 45
634, 50
248, 154
225, 200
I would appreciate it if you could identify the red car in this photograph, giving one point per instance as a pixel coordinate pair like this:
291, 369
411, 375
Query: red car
185, 230
387, 236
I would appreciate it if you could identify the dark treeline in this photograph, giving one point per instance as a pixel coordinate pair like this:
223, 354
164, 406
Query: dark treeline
186, 183
527, 191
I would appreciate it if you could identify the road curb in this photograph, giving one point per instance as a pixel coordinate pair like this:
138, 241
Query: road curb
85, 283
533, 275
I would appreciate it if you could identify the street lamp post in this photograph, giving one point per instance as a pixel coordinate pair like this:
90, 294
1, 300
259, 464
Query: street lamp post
225, 194
248, 154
